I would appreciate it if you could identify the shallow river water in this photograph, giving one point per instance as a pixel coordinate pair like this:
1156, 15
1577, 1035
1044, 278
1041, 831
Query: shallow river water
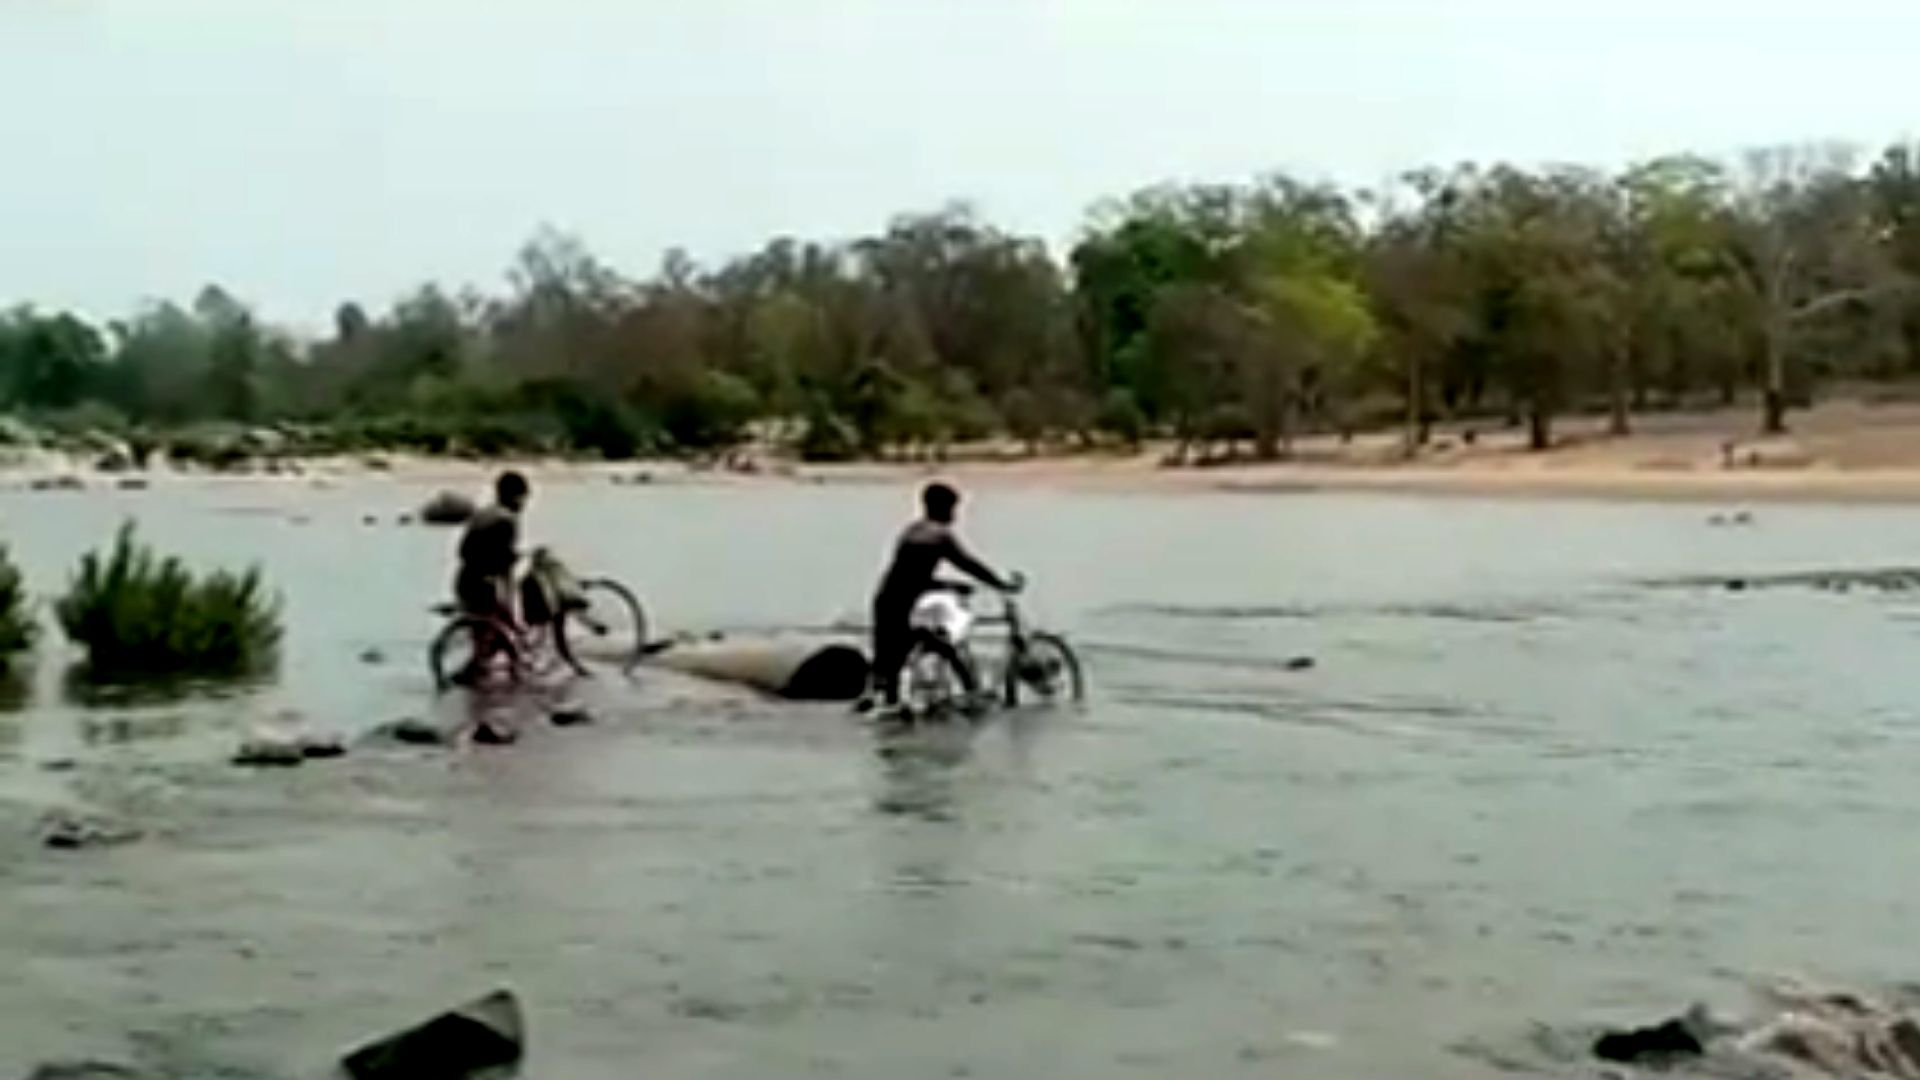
1530, 785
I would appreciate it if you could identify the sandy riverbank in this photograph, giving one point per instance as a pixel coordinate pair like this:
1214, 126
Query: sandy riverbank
1844, 451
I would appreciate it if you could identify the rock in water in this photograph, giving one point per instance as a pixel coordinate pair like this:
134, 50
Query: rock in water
481, 1035
447, 508
266, 753
574, 717
64, 831
1649, 1045
490, 734
318, 747
411, 732
82, 1070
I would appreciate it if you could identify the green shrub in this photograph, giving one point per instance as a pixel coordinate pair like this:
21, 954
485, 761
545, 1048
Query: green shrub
827, 436
138, 614
1121, 417
712, 413
17, 629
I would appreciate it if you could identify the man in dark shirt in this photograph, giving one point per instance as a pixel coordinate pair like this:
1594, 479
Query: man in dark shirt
489, 548
917, 557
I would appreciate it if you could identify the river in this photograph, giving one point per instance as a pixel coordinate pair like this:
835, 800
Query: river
1530, 784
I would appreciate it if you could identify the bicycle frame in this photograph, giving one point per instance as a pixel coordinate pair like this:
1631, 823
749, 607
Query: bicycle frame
1009, 616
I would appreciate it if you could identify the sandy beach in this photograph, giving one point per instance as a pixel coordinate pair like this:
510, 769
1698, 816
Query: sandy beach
1843, 451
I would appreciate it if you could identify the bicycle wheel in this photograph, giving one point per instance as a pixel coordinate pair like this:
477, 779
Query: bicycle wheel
615, 625
1047, 670
473, 651
936, 681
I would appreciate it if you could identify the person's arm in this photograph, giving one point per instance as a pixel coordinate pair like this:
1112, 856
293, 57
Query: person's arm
958, 555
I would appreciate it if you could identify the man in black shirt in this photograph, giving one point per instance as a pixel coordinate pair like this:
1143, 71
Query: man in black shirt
917, 557
489, 549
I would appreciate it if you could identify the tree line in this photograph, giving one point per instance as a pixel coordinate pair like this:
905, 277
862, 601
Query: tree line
1218, 316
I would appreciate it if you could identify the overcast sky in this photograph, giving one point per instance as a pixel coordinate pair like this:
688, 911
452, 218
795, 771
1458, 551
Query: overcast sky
303, 151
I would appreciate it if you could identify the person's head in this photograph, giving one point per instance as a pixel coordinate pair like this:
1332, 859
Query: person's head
512, 490
940, 502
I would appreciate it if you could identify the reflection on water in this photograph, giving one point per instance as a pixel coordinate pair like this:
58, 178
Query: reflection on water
121, 730
81, 687
16, 684
918, 766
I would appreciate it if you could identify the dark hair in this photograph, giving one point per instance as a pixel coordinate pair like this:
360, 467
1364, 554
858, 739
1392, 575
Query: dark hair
939, 500
511, 486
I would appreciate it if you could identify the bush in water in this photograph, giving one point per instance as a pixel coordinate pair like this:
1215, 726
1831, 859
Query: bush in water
17, 629
139, 614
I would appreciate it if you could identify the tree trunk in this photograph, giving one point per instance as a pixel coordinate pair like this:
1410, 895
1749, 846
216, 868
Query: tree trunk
1539, 429
1266, 443
1620, 423
1416, 407
1774, 420
1774, 401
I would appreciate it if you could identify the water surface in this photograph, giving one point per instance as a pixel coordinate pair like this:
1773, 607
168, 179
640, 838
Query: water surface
1525, 788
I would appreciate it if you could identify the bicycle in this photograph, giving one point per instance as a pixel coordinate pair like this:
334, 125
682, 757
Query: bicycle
942, 673
538, 640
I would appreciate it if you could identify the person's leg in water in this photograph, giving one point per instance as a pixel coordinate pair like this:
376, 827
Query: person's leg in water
479, 596
892, 630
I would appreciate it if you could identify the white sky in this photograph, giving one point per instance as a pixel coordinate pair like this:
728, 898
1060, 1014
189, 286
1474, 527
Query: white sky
304, 151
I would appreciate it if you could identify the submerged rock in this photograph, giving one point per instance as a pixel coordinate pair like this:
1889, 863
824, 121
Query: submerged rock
268, 753
66, 830
488, 734
83, 1070
481, 1035
318, 747
410, 732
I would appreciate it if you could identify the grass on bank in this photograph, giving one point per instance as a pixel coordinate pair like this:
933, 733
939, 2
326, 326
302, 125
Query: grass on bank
17, 628
139, 614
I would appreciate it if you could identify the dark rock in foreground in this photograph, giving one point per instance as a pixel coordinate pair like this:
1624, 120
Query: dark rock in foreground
1801, 1034
487, 1034
570, 717
1660, 1044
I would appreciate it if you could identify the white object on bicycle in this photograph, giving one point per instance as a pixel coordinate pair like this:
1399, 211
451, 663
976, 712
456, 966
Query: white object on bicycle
944, 613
